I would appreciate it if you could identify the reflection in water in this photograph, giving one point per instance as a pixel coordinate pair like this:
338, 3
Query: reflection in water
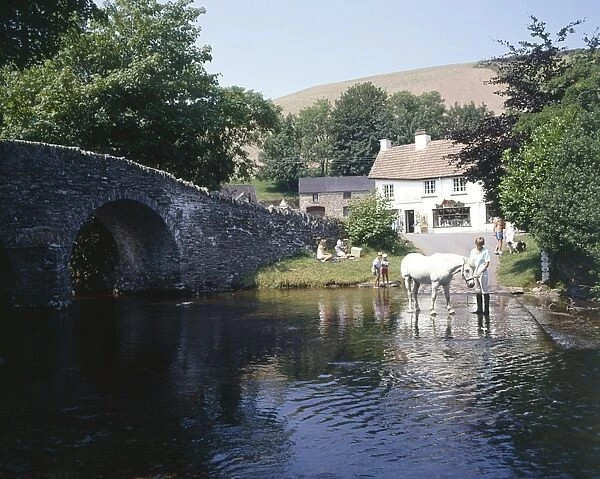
337, 383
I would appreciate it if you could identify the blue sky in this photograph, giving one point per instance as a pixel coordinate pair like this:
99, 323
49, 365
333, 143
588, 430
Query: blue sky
278, 47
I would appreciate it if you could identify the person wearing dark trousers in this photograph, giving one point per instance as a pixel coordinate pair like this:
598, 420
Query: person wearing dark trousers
480, 256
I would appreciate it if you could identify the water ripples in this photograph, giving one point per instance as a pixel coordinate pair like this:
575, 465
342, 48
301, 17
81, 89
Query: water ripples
348, 385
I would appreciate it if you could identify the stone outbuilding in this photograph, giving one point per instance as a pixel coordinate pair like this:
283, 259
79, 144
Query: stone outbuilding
331, 195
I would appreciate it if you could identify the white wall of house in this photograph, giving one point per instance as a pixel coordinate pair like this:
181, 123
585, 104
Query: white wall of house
410, 195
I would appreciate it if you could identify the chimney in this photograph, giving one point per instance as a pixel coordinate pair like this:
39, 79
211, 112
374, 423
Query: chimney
422, 139
385, 144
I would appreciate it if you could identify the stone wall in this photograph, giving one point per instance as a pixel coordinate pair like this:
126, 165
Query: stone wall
333, 202
170, 234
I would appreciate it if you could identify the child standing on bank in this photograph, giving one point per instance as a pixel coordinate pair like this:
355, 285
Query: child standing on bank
385, 266
376, 269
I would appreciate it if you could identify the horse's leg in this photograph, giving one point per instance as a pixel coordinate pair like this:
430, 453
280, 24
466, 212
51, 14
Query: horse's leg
408, 285
415, 294
434, 288
447, 294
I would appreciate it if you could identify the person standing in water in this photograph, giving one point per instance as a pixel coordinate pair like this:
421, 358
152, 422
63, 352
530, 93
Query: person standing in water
376, 269
385, 267
480, 257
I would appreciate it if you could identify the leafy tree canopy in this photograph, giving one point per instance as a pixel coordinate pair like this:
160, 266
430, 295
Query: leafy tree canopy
134, 85
315, 130
30, 30
532, 75
281, 159
410, 112
551, 183
360, 119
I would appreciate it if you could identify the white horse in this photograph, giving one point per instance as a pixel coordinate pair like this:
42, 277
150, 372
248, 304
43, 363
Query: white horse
437, 269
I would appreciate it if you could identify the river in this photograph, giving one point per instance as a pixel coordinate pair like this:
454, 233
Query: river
299, 384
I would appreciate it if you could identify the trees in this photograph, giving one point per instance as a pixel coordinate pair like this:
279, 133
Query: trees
370, 222
30, 30
281, 158
465, 117
360, 119
550, 186
410, 112
528, 76
134, 85
315, 130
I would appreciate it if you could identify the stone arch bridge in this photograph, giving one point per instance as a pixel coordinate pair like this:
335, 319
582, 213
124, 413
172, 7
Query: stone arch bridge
170, 235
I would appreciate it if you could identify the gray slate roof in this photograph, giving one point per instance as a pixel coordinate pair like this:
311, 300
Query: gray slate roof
332, 184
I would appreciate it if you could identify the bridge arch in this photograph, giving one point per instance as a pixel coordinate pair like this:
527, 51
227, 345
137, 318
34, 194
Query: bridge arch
147, 252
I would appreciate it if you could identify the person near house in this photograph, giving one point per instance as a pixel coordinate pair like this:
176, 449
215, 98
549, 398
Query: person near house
480, 257
376, 269
385, 266
323, 255
499, 227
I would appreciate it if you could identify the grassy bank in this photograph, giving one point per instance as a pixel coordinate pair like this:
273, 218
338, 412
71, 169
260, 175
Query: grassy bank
515, 270
307, 272
521, 270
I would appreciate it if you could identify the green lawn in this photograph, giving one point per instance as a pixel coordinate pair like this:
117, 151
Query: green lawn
523, 269
306, 272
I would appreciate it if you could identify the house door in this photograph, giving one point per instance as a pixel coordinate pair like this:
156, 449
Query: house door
409, 221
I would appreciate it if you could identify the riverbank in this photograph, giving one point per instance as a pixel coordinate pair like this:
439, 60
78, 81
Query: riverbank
510, 271
307, 272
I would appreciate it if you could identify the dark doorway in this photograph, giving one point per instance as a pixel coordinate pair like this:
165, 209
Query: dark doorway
409, 221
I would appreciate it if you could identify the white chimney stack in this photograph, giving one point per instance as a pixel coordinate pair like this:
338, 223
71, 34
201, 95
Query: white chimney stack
422, 139
385, 144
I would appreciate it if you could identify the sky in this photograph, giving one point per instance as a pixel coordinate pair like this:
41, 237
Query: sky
279, 47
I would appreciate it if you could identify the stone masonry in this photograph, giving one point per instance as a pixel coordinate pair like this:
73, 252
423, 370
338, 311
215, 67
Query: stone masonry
170, 234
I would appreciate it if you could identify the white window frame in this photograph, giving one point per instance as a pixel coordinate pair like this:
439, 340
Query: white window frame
388, 191
459, 185
429, 187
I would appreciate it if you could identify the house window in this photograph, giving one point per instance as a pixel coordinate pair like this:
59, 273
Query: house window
459, 185
388, 191
315, 197
347, 195
429, 187
346, 212
449, 217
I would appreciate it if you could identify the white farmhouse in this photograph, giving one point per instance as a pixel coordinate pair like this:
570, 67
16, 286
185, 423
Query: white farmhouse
429, 193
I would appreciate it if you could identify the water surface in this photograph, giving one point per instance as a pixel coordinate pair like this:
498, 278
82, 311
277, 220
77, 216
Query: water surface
329, 384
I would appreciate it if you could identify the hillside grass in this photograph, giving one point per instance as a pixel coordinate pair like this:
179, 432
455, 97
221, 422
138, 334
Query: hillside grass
457, 83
